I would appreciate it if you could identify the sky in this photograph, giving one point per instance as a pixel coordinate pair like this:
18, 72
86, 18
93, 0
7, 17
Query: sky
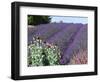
69, 19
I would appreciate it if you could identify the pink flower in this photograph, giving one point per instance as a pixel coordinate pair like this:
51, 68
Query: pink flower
79, 58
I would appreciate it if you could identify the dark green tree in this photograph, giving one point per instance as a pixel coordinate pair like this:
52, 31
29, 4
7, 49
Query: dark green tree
37, 19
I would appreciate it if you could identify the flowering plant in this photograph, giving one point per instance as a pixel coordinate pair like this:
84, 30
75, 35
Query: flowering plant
42, 53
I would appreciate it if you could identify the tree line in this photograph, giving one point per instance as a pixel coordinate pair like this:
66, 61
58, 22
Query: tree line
38, 19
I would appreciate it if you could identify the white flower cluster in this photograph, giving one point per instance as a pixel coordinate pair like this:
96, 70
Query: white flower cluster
42, 54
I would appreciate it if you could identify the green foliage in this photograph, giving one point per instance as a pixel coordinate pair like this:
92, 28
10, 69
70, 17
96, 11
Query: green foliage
36, 20
53, 54
42, 54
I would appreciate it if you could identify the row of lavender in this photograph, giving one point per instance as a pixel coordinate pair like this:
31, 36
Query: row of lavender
70, 38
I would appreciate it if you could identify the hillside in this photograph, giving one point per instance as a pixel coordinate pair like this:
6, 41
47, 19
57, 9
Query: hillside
70, 38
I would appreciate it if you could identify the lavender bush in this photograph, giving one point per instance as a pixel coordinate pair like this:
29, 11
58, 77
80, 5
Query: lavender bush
45, 31
79, 43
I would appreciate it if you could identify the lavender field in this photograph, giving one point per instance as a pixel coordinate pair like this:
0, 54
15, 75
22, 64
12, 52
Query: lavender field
59, 43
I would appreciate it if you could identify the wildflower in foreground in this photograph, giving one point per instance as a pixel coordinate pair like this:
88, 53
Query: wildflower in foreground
80, 58
42, 54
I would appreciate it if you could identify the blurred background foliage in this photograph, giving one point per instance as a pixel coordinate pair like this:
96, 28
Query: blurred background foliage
38, 19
